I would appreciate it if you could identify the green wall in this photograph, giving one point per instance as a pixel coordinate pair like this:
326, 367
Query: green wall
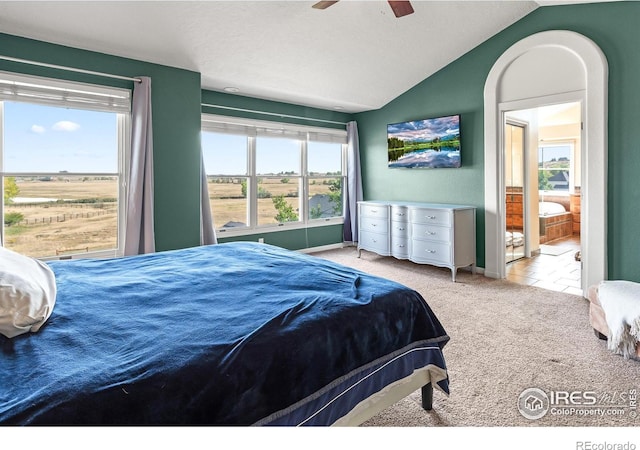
176, 126
297, 239
458, 88
233, 104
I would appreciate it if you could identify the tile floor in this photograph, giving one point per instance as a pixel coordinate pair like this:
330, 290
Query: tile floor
557, 273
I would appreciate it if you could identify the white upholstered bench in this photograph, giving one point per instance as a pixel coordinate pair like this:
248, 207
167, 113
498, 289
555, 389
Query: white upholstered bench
621, 299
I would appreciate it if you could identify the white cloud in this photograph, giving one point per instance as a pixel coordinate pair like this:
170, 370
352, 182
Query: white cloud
37, 129
65, 125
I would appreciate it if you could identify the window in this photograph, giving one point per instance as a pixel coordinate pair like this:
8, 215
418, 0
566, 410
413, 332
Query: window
61, 164
325, 180
279, 179
264, 174
555, 168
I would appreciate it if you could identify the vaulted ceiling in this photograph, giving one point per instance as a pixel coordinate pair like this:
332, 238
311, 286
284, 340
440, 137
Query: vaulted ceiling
354, 56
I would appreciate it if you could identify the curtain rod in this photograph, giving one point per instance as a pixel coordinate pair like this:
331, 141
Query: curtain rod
272, 114
70, 69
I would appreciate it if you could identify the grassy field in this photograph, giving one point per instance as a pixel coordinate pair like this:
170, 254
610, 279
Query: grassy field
63, 226
228, 205
70, 225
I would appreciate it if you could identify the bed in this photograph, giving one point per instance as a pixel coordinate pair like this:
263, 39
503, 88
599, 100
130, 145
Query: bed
229, 334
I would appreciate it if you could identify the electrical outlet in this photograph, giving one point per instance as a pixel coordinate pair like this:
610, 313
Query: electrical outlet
261, 240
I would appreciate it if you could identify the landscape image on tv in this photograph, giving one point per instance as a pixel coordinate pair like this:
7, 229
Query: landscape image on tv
429, 143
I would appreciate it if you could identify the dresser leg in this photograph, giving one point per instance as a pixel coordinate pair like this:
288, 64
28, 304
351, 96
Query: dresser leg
454, 270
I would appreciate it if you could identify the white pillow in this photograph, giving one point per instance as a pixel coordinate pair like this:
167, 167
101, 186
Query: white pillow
27, 293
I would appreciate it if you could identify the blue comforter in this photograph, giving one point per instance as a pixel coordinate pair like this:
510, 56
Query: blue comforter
229, 334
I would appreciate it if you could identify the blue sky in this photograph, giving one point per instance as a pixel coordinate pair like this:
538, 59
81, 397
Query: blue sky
425, 130
554, 152
274, 155
51, 139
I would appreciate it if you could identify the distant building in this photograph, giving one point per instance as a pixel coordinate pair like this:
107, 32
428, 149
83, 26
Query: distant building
560, 181
232, 224
321, 203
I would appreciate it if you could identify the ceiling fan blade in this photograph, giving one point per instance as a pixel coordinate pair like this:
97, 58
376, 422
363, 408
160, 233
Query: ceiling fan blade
399, 8
323, 5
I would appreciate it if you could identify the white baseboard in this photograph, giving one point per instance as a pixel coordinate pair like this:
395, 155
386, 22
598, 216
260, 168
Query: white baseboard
323, 248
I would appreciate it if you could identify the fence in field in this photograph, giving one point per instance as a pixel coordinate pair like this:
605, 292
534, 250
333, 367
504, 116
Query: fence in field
64, 217
66, 204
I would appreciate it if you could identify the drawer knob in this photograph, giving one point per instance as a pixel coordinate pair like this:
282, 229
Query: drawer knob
430, 251
401, 228
431, 217
431, 233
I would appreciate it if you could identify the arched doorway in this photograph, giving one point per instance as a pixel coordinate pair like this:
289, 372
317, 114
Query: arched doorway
550, 64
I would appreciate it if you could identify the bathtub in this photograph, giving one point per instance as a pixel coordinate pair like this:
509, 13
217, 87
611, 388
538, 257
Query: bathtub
555, 221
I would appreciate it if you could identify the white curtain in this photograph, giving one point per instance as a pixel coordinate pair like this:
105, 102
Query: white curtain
207, 232
353, 194
139, 234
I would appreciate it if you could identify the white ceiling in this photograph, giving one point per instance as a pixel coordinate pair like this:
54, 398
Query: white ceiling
354, 56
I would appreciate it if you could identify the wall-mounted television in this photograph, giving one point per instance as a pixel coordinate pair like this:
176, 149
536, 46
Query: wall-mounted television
426, 144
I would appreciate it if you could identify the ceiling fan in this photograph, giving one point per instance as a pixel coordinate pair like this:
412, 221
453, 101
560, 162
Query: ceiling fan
399, 8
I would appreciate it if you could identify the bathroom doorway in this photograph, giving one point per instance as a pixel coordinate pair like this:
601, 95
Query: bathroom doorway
551, 193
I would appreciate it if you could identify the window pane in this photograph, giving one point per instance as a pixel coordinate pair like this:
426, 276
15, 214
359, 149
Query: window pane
277, 156
278, 200
60, 215
324, 158
554, 163
224, 154
325, 197
49, 139
229, 201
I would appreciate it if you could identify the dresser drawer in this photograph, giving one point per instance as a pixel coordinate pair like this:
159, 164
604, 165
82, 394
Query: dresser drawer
399, 213
375, 242
379, 211
400, 247
431, 251
431, 216
374, 224
431, 232
399, 229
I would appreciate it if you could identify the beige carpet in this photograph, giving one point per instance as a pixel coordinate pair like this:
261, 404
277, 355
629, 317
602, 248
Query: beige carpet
506, 338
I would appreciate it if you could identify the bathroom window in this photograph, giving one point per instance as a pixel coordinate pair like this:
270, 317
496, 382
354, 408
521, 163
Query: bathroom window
555, 168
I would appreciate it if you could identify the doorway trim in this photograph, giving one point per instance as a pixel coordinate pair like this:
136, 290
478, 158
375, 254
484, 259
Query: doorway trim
594, 152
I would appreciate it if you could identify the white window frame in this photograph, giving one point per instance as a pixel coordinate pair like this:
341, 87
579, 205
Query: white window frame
571, 143
253, 128
74, 95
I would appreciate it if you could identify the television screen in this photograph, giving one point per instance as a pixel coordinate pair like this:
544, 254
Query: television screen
429, 143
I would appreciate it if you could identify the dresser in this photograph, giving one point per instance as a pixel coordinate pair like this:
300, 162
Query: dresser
426, 233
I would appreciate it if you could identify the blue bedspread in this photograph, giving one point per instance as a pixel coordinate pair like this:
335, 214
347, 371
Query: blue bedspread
229, 334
